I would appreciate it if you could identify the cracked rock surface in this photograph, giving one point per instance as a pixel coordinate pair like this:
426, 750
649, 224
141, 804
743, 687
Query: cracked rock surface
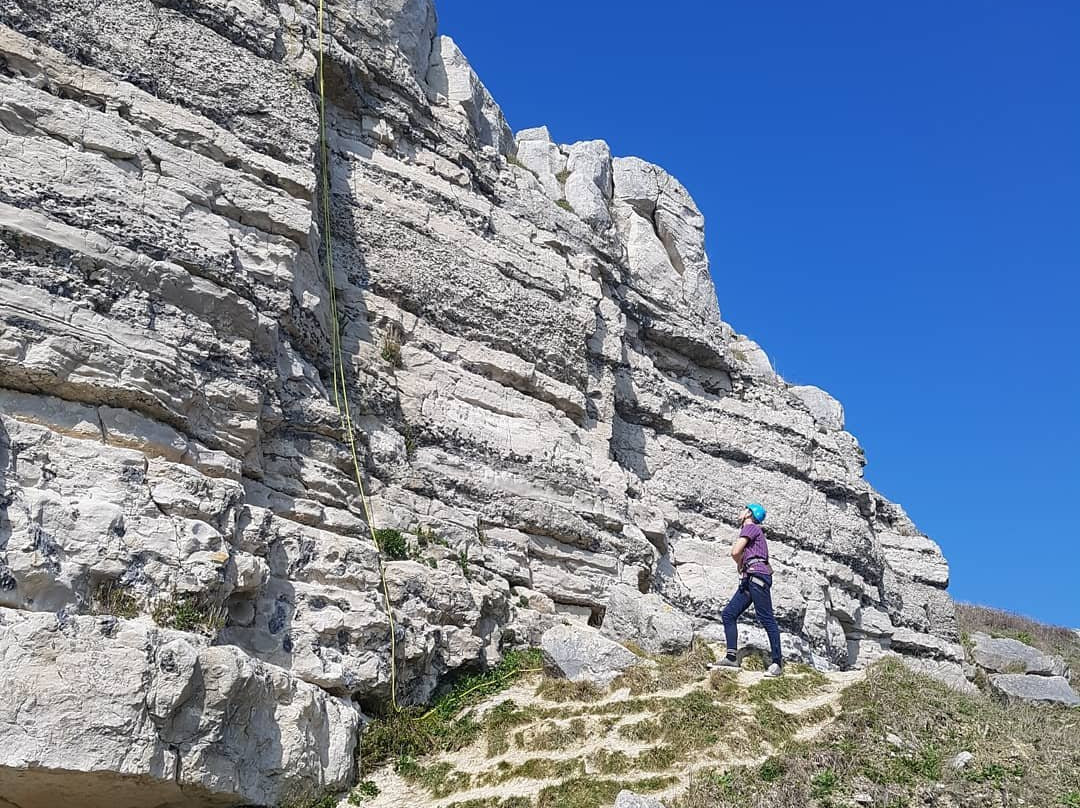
549, 407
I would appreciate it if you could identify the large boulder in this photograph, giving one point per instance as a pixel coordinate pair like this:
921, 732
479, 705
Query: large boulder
1006, 655
108, 713
582, 654
646, 620
628, 799
1019, 686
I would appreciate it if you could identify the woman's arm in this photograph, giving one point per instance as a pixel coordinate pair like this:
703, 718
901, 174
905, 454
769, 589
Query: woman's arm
737, 551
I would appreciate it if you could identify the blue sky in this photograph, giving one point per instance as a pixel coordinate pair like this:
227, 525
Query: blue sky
892, 205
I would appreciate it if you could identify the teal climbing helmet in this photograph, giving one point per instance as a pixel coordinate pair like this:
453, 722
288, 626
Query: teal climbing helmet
757, 511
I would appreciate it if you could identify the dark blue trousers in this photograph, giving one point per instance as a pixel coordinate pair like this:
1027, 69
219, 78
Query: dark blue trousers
754, 589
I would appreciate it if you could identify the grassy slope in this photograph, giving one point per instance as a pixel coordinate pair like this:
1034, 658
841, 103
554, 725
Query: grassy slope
1024, 751
891, 745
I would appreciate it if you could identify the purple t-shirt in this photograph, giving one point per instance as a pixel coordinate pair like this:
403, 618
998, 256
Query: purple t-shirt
756, 548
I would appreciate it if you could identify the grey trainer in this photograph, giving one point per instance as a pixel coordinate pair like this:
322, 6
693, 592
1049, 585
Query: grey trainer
774, 671
724, 662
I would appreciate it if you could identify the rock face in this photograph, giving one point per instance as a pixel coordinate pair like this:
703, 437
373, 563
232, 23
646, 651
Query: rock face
628, 799
175, 722
544, 393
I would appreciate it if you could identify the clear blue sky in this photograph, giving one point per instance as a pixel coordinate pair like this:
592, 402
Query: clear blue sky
892, 205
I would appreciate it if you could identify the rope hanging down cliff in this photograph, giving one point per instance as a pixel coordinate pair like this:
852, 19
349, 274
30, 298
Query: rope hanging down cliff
341, 394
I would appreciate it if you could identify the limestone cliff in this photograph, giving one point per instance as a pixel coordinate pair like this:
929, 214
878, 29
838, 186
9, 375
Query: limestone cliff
548, 402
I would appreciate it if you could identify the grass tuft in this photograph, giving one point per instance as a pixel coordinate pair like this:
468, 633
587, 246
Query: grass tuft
671, 671
365, 790
192, 613
112, 598
390, 348
563, 690
392, 543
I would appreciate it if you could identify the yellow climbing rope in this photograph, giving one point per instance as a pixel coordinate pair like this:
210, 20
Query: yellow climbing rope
341, 393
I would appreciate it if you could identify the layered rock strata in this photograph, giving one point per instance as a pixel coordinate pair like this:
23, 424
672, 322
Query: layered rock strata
548, 403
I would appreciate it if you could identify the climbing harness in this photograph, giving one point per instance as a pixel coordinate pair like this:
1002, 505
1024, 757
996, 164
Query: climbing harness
341, 394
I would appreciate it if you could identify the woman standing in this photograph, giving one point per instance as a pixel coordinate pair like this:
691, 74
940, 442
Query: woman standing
751, 555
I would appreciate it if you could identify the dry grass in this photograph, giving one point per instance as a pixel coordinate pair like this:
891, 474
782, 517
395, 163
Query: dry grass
1062, 642
563, 690
112, 598
1020, 750
592, 792
671, 671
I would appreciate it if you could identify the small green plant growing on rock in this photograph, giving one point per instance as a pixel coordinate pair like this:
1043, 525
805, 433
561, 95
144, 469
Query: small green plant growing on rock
392, 544
411, 442
563, 176
391, 347
562, 203
194, 613
823, 784
111, 598
364, 791
771, 769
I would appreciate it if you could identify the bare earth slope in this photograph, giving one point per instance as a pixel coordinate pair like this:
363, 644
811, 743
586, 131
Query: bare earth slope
547, 400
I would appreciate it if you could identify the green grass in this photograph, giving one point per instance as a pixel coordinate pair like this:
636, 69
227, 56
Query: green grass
392, 544
771, 769
648, 729
494, 802
533, 769
365, 790
440, 779
822, 784
562, 203
593, 792
562, 176
500, 721
322, 800
671, 671
556, 736
448, 724
786, 688
563, 690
